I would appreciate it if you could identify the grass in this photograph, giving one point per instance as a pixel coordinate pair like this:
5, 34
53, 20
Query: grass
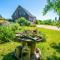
48, 52
6, 50
52, 37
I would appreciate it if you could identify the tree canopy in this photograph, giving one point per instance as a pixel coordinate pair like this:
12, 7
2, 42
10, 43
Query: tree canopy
52, 5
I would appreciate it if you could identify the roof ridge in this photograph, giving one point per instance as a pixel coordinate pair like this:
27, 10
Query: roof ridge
26, 11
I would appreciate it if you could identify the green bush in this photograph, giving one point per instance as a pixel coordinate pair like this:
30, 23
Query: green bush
48, 22
23, 22
14, 26
39, 22
58, 24
7, 33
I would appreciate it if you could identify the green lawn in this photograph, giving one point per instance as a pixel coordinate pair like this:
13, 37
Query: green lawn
50, 49
52, 37
7, 49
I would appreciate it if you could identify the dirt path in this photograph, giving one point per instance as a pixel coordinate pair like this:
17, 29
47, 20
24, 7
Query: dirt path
48, 27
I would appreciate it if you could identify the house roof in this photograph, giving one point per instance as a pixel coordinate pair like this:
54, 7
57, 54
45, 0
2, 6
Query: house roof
24, 10
28, 12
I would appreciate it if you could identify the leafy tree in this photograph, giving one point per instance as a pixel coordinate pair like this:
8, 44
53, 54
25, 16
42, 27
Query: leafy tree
48, 22
45, 22
52, 5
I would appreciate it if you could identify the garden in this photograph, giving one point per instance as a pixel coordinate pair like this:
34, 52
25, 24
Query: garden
49, 43
50, 49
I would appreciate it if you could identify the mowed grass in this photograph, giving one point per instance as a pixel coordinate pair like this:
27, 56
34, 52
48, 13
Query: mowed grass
7, 49
52, 37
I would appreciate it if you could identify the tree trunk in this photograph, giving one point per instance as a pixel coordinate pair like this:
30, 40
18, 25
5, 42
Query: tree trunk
59, 22
59, 19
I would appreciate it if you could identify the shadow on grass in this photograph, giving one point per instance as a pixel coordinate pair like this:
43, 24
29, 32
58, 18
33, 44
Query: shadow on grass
56, 47
2, 42
9, 57
53, 58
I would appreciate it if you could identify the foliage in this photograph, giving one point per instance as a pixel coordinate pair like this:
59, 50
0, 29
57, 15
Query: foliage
52, 5
39, 22
49, 22
58, 24
23, 22
14, 26
7, 33
56, 46
46, 22
53, 57
48, 53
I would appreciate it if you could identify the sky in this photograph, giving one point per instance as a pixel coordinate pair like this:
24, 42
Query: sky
35, 7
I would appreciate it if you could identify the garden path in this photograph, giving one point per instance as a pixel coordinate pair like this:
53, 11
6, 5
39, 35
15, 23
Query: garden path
49, 27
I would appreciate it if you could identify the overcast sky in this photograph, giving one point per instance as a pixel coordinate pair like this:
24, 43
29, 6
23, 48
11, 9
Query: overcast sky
35, 7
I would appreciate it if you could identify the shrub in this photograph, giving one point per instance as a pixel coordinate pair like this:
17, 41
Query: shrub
58, 24
7, 33
23, 22
48, 22
14, 26
39, 22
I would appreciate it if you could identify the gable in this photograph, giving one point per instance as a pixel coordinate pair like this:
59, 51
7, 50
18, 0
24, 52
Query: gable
21, 12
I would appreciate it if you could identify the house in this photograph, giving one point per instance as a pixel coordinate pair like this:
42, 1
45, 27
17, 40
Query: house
22, 12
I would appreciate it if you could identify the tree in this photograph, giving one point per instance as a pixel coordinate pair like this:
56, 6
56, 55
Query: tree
48, 22
52, 5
